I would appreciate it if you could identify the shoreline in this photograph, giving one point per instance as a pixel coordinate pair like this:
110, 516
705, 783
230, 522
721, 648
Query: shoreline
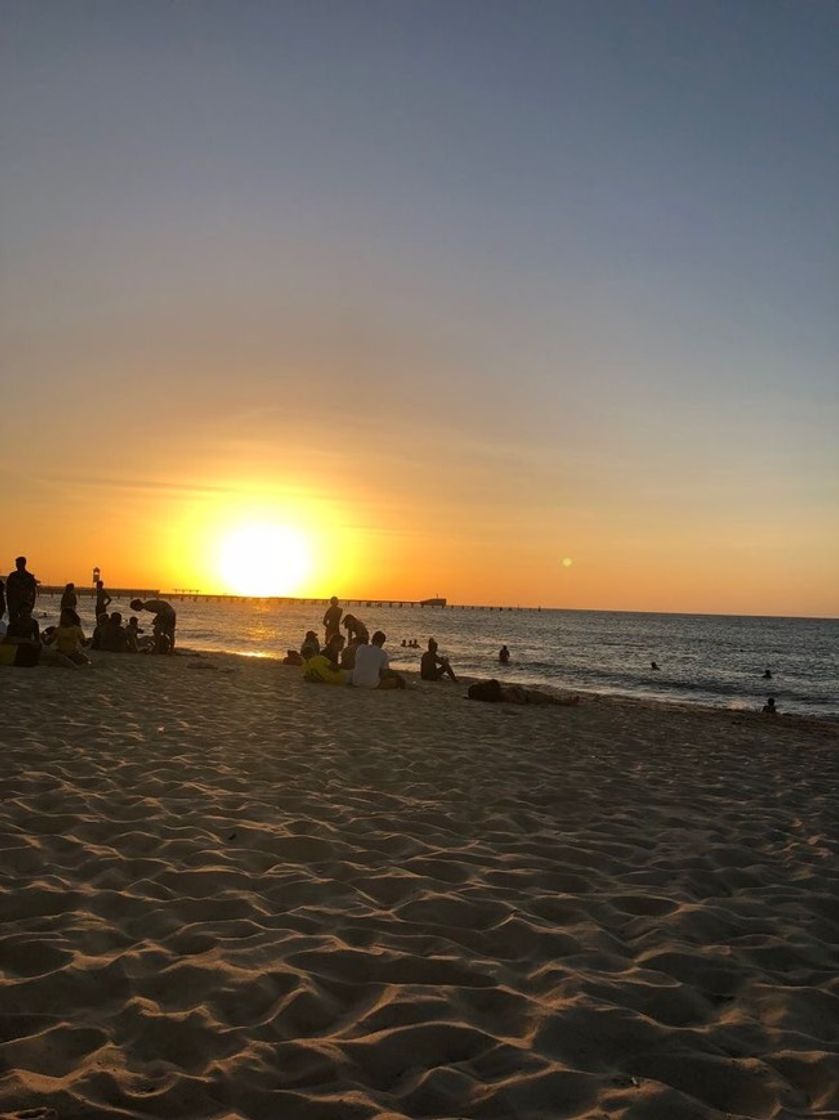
587, 695
228, 894
723, 667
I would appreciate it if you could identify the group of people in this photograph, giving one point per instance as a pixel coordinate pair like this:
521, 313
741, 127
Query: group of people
356, 658
22, 641
361, 661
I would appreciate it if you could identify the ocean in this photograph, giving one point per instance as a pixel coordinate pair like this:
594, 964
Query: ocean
715, 660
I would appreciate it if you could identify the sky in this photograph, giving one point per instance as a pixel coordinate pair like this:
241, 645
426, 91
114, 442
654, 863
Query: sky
522, 303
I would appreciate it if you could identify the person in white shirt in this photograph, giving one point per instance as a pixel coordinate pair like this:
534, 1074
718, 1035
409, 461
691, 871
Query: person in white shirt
372, 666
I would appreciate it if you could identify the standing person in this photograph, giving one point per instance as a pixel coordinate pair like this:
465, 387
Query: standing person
332, 619
434, 667
21, 589
2, 598
163, 626
504, 656
69, 600
372, 666
103, 599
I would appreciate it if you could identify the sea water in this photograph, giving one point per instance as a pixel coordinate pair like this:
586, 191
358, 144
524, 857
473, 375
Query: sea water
703, 659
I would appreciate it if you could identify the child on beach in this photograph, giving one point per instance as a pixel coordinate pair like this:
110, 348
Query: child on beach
68, 638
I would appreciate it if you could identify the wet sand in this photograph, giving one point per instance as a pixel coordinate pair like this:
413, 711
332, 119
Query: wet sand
228, 893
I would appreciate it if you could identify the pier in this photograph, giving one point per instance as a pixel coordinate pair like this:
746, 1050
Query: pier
53, 589
188, 595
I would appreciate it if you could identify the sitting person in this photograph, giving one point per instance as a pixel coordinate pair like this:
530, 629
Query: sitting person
496, 693
769, 708
133, 631
433, 667
114, 638
372, 666
20, 641
322, 668
24, 628
68, 638
348, 653
308, 648
98, 630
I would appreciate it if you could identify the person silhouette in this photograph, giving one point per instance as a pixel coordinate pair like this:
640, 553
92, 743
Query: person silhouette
433, 667
21, 589
103, 599
163, 626
332, 619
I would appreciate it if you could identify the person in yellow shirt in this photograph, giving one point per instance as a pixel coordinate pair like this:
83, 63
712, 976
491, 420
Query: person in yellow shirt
69, 640
322, 668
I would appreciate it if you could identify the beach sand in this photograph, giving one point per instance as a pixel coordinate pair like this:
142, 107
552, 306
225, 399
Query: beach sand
229, 893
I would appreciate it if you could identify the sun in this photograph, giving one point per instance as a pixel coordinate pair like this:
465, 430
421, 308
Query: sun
261, 558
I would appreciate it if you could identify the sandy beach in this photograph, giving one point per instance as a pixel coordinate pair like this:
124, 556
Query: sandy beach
229, 893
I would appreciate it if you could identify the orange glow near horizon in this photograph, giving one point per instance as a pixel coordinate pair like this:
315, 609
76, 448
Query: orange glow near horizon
323, 532
246, 545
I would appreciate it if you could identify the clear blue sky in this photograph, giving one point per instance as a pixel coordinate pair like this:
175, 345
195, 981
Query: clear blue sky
588, 251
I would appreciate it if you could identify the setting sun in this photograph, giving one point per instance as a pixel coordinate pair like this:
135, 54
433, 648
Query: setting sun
264, 559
